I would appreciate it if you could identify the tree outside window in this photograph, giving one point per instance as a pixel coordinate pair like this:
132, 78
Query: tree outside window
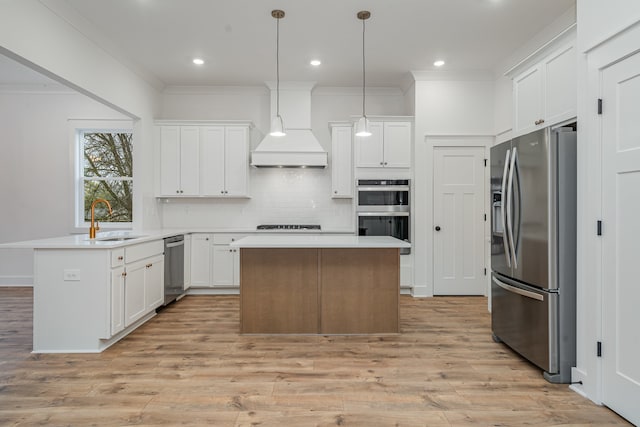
107, 173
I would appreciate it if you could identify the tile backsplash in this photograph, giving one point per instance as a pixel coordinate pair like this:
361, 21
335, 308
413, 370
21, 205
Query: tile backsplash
278, 196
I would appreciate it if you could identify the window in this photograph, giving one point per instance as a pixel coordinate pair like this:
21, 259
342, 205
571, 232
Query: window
105, 171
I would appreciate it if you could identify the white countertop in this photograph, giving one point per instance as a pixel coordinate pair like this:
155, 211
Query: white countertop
280, 241
115, 239
106, 240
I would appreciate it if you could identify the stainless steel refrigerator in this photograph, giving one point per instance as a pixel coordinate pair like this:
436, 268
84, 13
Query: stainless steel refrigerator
533, 248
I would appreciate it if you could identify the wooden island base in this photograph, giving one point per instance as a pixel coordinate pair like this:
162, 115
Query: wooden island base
319, 290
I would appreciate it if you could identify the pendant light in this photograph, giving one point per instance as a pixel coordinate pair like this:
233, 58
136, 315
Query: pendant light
277, 124
362, 128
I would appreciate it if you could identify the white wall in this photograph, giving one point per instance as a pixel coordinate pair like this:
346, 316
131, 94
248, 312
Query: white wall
35, 35
445, 105
36, 169
277, 195
38, 37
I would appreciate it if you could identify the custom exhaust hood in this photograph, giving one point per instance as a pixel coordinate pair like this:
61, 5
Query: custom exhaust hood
299, 148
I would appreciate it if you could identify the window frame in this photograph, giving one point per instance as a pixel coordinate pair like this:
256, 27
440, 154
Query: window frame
78, 128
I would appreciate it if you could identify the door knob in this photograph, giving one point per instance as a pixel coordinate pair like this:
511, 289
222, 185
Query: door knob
437, 228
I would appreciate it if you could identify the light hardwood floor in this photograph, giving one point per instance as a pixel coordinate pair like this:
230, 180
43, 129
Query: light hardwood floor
188, 365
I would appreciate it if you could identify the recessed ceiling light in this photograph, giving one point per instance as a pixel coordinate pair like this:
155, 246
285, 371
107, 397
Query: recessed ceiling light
439, 63
198, 61
315, 62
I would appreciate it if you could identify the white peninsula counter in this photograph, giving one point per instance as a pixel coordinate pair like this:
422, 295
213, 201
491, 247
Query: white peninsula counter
319, 284
90, 293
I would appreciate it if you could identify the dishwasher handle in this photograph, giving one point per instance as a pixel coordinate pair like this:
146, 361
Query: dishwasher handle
174, 244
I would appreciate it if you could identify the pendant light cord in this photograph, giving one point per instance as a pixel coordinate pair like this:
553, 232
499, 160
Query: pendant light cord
363, 72
278, 67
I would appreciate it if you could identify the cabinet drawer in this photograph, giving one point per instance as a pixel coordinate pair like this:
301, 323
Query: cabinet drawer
117, 257
143, 250
225, 239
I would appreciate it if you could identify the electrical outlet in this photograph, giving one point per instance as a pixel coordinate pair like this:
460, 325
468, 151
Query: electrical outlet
71, 275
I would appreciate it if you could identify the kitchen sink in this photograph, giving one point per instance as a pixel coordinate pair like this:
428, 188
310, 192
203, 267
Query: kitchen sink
118, 239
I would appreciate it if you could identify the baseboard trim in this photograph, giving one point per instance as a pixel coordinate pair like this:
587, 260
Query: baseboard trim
6, 281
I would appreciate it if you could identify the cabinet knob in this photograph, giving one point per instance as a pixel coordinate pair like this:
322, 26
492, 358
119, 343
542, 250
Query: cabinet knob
438, 228
120, 258
335, 191
177, 191
124, 273
206, 238
181, 191
221, 191
385, 163
381, 163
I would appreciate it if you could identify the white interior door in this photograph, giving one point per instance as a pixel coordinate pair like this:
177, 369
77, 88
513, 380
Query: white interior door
458, 213
621, 237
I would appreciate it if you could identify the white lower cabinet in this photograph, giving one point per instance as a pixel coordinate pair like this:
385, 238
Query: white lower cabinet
117, 299
226, 261
134, 302
137, 283
154, 282
406, 271
214, 264
201, 260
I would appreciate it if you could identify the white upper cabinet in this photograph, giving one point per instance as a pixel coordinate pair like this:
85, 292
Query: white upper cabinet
236, 160
370, 149
397, 144
341, 161
179, 148
389, 145
212, 161
546, 93
204, 161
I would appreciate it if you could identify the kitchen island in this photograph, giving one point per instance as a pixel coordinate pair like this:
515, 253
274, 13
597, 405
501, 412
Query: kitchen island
319, 284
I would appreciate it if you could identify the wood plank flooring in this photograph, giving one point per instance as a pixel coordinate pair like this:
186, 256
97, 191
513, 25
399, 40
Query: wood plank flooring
189, 366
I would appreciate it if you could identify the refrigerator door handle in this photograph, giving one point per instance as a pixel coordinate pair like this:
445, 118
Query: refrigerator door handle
518, 291
503, 211
516, 232
510, 195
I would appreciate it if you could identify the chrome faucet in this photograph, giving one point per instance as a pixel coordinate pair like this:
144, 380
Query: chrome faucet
96, 227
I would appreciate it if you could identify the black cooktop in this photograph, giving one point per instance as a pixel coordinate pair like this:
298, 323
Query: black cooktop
289, 227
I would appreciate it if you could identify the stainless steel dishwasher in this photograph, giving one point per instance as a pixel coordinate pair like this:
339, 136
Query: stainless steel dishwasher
173, 268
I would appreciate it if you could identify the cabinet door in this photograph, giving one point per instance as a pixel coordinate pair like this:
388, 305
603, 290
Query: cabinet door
169, 160
212, 161
560, 85
117, 299
223, 266
369, 149
154, 282
200, 260
236, 158
189, 161
527, 101
397, 144
134, 300
341, 162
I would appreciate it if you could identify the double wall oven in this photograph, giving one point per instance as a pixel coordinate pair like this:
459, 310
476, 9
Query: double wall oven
383, 208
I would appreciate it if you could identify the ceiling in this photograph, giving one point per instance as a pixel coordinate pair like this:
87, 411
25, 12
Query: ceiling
236, 38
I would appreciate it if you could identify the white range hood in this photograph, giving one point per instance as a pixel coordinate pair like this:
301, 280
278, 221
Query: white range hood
299, 148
